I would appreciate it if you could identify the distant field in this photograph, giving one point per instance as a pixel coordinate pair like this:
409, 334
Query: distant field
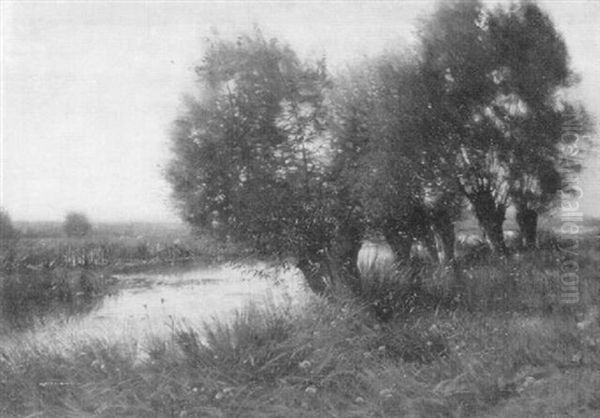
116, 245
30, 229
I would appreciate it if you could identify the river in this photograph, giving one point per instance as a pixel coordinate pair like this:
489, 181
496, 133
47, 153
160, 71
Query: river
152, 305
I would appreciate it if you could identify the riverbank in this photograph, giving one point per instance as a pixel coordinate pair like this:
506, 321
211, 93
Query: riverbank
507, 347
328, 359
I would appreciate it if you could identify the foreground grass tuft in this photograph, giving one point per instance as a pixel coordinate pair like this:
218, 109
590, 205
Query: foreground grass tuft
331, 359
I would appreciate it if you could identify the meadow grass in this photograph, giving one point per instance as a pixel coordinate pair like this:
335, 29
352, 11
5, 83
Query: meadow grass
333, 358
409, 346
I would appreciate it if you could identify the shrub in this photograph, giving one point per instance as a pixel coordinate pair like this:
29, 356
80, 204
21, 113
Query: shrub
76, 225
392, 290
7, 230
258, 345
30, 294
8, 241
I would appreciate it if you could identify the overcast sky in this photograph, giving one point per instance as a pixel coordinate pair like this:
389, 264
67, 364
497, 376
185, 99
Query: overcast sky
89, 88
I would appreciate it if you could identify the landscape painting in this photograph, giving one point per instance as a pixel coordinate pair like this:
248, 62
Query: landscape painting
300, 209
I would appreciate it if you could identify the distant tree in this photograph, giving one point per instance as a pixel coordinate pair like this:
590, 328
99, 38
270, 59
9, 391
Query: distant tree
76, 225
493, 79
251, 161
8, 238
7, 231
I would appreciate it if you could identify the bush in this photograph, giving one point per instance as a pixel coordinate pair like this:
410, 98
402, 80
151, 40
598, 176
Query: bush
8, 240
7, 230
392, 290
257, 346
29, 294
76, 225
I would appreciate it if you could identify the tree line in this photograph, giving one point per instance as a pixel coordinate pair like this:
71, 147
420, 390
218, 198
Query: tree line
287, 158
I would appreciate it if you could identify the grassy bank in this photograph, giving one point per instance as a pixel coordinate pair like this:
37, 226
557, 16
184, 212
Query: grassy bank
506, 347
334, 359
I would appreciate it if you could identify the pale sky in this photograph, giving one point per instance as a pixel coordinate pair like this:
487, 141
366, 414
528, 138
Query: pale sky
90, 88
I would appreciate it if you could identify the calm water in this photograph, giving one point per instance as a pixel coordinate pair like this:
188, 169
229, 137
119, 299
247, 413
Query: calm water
150, 305
200, 294
206, 293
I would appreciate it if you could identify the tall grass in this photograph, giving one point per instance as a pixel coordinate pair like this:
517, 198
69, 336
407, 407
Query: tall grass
328, 359
501, 347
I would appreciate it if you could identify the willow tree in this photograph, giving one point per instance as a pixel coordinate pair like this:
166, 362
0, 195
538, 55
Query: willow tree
250, 159
533, 75
386, 155
493, 79
415, 156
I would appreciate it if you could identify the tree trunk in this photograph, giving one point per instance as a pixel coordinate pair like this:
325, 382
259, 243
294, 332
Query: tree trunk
444, 229
447, 238
527, 221
491, 217
492, 228
344, 255
337, 264
400, 244
313, 267
430, 244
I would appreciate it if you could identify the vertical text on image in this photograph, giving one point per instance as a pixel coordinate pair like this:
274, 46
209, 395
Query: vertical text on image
570, 214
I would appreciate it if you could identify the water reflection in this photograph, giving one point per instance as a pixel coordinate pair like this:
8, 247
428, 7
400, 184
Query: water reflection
199, 295
152, 305
30, 295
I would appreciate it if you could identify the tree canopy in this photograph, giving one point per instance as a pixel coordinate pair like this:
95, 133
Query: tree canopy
76, 225
493, 79
251, 157
288, 159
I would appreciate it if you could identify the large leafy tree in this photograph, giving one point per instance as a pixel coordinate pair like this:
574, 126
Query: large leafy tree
251, 161
386, 156
415, 159
492, 81
533, 72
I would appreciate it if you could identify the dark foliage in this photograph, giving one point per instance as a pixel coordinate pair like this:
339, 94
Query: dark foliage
493, 80
76, 225
250, 160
